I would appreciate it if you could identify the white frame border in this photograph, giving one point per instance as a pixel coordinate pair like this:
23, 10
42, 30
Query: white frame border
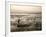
9, 34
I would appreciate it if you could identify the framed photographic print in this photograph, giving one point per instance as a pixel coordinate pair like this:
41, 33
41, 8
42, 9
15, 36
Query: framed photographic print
24, 18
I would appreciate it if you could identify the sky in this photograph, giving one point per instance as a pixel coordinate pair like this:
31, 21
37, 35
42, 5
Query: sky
25, 9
